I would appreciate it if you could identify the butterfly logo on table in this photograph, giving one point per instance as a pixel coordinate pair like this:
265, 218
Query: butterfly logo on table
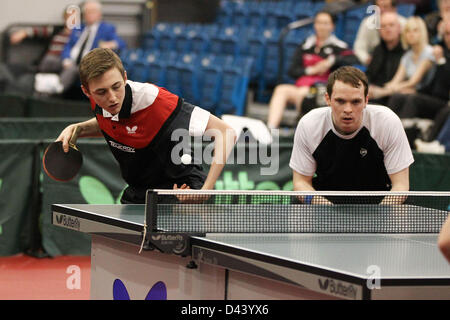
157, 292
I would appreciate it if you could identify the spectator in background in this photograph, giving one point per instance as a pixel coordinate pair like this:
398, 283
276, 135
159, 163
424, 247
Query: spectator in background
20, 78
416, 68
93, 33
368, 36
311, 63
51, 62
435, 103
386, 56
435, 21
433, 98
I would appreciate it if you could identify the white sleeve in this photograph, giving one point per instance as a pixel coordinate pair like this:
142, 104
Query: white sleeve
198, 122
360, 46
302, 160
397, 152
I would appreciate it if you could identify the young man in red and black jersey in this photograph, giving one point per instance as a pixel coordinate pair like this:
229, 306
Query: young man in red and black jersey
138, 121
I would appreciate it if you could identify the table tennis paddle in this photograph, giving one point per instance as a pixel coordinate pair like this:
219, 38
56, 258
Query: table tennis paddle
60, 165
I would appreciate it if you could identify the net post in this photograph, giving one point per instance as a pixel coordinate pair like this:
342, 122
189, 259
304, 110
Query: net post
151, 214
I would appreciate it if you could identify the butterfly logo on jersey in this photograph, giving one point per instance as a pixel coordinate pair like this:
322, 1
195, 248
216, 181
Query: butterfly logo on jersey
363, 152
131, 130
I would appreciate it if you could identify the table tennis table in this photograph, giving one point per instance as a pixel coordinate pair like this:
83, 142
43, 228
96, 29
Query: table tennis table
264, 265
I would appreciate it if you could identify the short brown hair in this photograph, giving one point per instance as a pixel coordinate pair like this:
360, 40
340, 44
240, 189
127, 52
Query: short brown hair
349, 75
96, 63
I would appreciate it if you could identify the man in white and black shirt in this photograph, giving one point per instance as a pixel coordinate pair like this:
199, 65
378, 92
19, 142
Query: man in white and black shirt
350, 145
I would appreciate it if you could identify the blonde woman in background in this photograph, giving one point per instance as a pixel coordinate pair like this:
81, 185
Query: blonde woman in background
416, 67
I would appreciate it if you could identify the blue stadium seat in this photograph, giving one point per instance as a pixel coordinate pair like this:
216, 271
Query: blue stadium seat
236, 77
129, 58
241, 15
140, 70
256, 46
209, 81
159, 70
201, 39
303, 9
406, 9
181, 41
270, 68
225, 14
352, 21
257, 18
188, 68
155, 62
285, 14
152, 37
167, 39
293, 39
227, 41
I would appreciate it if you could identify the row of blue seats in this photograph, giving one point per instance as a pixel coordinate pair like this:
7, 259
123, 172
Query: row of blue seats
236, 41
262, 44
218, 83
267, 14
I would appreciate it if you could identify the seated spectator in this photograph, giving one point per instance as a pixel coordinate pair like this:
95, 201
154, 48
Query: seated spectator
429, 101
93, 33
434, 21
368, 36
441, 143
311, 63
386, 56
416, 69
21, 78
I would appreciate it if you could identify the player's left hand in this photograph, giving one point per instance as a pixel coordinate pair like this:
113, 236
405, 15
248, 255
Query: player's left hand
189, 198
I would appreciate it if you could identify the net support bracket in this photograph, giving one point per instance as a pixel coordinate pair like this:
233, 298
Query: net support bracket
178, 243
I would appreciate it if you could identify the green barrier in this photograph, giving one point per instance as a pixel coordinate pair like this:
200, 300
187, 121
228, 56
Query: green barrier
430, 172
13, 105
52, 107
16, 195
34, 128
99, 182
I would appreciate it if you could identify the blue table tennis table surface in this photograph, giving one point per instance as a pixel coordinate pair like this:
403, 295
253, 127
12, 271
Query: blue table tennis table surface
398, 259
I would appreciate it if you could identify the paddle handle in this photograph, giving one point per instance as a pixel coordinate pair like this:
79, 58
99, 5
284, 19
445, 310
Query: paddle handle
73, 139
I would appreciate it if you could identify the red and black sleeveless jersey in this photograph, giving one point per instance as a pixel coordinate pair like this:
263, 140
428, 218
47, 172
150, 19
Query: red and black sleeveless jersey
140, 138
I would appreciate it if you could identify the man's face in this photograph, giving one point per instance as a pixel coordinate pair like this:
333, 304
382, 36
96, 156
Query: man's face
445, 6
390, 27
347, 105
107, 90
92, 13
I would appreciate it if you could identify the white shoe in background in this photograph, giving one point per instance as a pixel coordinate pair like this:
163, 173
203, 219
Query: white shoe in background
429, 147
48, 83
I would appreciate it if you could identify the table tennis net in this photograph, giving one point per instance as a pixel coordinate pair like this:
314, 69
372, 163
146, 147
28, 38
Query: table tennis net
278, 212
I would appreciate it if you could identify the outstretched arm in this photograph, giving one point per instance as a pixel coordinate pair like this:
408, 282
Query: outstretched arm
224, 139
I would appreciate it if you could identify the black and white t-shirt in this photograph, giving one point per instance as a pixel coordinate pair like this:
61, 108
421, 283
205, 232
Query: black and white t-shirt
361, 161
